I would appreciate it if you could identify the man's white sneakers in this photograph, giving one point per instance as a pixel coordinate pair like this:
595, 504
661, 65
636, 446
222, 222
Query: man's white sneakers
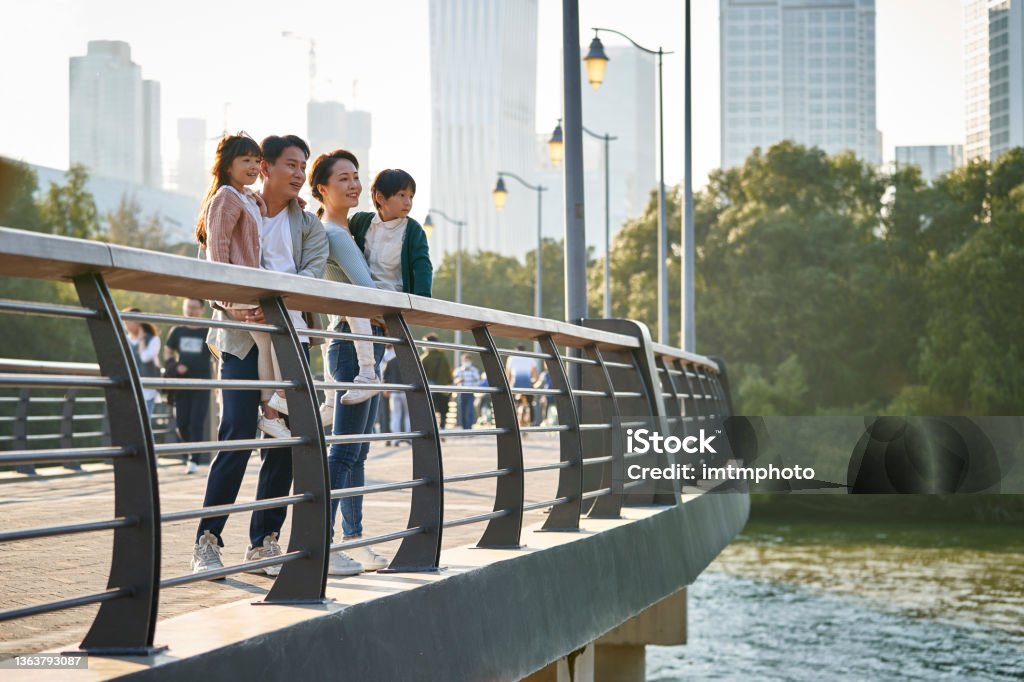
269, 549
206, 554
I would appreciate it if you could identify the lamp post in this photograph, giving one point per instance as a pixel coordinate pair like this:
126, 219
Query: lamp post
500, 194
428, 226
596, 61
556, 149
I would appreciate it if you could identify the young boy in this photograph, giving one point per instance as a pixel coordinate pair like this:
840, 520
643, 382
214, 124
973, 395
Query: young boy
395, 245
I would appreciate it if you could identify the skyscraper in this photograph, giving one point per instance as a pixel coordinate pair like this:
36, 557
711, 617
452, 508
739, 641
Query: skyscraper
933, 160
802, 70
483, 68
114, 115
993, 76
329, 125
192, 176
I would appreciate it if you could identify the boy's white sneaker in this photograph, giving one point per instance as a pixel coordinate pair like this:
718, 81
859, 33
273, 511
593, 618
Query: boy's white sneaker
274, 428
354, 396
191, 467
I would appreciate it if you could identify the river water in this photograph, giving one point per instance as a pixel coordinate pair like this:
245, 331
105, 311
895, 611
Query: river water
816, 602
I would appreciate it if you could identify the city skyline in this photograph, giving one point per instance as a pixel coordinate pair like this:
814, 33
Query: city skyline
923, 108
798, 70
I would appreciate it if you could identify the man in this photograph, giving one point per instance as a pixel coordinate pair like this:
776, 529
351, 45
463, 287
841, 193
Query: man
466, 375
522, 373
439, 372
187, 356
292, 241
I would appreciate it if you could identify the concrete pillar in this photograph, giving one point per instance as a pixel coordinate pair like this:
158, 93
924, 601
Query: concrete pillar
621, 653
583, 668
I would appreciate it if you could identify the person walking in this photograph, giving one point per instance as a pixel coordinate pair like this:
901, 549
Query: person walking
466, 375
439, 373
186, 356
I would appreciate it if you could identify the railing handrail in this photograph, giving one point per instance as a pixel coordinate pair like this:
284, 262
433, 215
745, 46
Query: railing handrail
48, 367
44, 256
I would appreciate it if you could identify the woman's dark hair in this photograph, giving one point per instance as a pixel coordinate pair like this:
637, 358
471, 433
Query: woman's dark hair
323, 166
147, 329
275, 145
390, 182
229, 148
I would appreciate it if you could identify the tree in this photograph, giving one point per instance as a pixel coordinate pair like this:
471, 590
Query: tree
18, 185
69, 210
125, 227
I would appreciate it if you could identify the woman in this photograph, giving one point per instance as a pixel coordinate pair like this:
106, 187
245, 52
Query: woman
145, 342
334, 180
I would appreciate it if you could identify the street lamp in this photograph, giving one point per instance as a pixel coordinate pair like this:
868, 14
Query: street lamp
500, 193
555, 150
458, 260
596, 61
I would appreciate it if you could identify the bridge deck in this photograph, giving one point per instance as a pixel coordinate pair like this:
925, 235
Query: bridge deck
56, 568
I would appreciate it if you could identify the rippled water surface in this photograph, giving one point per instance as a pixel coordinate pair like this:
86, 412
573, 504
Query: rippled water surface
862, 603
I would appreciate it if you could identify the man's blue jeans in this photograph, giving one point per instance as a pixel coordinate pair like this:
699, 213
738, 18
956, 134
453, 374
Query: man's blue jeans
238, 422
346, 462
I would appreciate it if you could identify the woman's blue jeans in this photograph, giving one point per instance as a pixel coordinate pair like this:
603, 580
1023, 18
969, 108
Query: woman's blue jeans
346, 462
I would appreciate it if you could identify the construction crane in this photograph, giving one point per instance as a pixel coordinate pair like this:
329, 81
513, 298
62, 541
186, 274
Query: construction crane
312, 57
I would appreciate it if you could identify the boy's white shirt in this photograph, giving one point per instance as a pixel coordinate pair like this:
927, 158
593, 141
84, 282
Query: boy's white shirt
383, 250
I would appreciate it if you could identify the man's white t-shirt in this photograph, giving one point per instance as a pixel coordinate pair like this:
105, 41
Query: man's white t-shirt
276, 242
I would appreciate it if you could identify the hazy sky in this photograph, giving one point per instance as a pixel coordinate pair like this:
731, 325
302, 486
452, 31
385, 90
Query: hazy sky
375, 56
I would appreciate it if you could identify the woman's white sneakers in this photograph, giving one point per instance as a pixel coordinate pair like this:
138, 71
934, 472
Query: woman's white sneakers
342, 564
370, 560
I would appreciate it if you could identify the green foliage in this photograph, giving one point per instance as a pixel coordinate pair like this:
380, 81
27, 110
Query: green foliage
830, 285
125, 226
69, 210
18, 185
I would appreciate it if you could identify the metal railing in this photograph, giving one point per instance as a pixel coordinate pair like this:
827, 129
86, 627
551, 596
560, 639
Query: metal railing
599, 371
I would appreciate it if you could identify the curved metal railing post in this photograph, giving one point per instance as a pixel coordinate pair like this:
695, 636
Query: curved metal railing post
504, 531
420, 552
303, 580
570, 479
21, 429
125, 625
673, 408
606, 506
67, 427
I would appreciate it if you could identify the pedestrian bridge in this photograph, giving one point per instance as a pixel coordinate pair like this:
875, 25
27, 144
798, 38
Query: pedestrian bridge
513, 551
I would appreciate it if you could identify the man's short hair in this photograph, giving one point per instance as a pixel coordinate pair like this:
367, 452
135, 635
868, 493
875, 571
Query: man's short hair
431, 337
275, 145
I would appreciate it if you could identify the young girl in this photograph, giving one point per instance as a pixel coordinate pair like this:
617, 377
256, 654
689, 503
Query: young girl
229, 230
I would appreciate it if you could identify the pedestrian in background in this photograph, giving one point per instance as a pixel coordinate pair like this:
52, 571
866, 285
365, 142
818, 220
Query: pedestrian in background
466, 375
439, 373
187, 356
